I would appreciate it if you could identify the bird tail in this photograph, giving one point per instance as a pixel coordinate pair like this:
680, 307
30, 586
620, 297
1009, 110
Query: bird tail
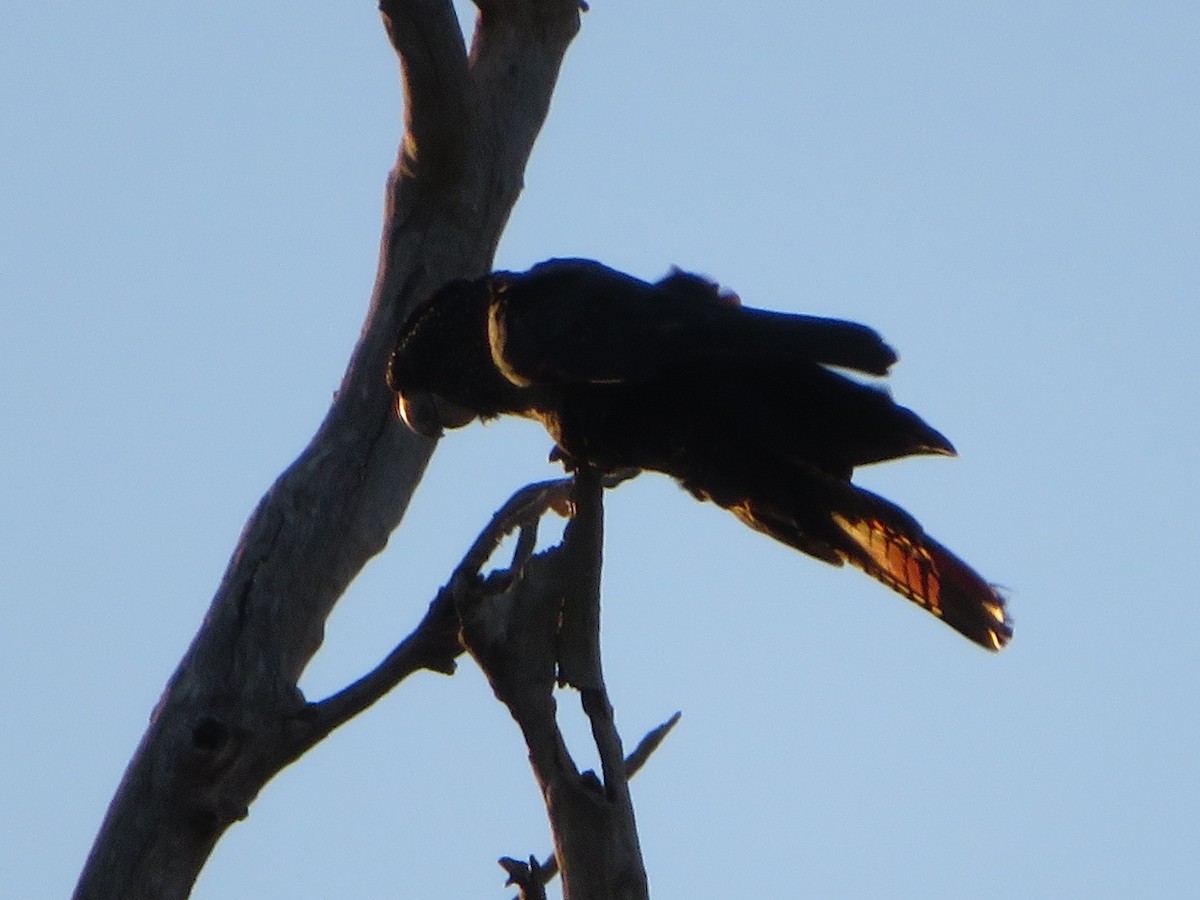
849, 524
921, 569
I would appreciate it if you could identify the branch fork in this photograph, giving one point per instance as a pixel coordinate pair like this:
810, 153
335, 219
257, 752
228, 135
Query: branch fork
232, 716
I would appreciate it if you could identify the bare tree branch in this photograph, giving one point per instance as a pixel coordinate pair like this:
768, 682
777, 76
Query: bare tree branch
579, 637
633, 764
626, 868
227, 720
529, 877
648, 744
435, 643
433, 60
516, 637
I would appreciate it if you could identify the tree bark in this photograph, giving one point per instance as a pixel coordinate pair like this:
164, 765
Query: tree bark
231, 716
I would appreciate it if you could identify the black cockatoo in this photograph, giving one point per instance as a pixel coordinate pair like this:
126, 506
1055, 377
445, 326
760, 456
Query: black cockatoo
739, 405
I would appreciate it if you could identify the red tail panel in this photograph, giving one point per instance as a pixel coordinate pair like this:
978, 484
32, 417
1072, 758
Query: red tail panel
930, 575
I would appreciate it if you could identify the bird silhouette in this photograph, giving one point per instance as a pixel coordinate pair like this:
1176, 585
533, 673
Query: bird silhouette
743, 407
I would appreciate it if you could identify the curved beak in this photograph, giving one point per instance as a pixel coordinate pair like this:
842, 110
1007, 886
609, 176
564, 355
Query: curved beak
428, 414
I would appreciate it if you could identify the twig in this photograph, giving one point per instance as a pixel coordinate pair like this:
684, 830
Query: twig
529, 877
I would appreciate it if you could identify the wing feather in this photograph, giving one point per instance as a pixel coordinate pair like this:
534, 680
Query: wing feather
577, 321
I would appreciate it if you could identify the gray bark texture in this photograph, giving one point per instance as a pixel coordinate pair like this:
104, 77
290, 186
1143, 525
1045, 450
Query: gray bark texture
231, 716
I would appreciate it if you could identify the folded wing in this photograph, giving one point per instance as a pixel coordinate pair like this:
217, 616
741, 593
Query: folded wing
576, 321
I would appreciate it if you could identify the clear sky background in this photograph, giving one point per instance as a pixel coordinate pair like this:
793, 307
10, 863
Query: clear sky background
190, 205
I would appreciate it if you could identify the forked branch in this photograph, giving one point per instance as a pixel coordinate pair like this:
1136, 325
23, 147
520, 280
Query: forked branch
542, 629
227, 720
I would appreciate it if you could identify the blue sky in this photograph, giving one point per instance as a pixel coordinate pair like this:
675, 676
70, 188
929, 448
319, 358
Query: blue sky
1008, 191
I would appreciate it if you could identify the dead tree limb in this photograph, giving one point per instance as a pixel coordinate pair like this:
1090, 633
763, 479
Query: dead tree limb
227, 721
520, 873
523, 638
435, 643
